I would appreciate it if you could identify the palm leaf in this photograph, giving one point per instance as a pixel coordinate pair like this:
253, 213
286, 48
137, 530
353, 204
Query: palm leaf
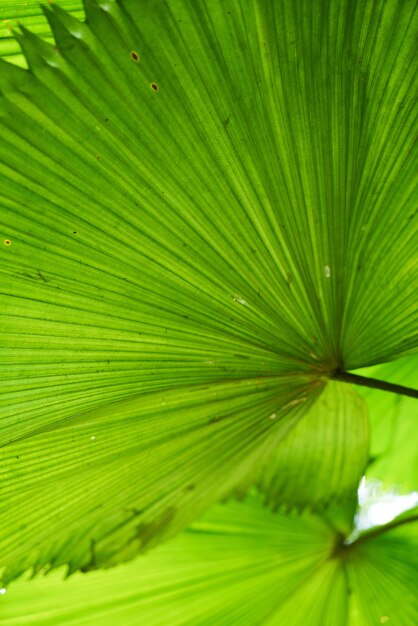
240, 564
133, 472
220, 571
381, 573
393, 452
193, 199
29, 14
324, 455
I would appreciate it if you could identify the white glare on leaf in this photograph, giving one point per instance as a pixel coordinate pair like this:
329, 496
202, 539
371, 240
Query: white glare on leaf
377, 506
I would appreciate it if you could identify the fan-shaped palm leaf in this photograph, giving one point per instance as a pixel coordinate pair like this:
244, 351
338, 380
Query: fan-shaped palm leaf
206, 211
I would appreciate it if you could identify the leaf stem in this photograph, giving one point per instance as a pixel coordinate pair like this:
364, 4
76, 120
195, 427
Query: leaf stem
364, 381
379, 530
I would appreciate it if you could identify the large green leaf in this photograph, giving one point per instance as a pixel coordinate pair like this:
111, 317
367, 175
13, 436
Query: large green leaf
221, 571
382, 571
117, 479
324, 456
238, 565
194, 197
394, 418
28, 13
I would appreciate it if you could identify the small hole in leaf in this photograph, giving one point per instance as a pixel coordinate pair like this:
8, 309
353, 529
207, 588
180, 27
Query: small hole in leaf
135, 56
7, 242
154, 87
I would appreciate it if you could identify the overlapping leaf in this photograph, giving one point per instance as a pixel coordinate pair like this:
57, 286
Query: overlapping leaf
382, 570
238, 565
191, 194
29, 14
324, 455
116, 480
394, 419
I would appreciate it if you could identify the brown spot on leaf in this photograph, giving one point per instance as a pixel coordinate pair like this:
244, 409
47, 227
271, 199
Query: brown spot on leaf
148, 531
154, 87
135, 56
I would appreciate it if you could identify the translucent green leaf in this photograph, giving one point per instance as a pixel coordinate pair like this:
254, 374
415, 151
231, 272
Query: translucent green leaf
240, 564
324, 455
221, 571
394, 419
29, 14
108, 483
233, 567
382, 573
191, 195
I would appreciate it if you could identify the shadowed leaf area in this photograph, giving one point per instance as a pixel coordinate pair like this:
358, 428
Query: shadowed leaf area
207, 209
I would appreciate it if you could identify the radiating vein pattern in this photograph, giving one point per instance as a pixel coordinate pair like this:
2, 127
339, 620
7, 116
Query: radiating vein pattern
28, 13
239, 564
227, 216
195, 198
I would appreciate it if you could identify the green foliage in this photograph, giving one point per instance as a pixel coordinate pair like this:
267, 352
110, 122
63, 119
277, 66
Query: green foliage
29, 13
207, 208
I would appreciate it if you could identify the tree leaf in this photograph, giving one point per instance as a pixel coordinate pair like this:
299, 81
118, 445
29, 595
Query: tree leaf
393, 453
29, 14
223, 570
324, 456
382, 573
240, 564
117, 479
192, 195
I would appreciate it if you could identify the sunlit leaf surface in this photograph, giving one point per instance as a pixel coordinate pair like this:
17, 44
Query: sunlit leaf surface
324, 455
238, 565
393, 420
205, 209
28, 13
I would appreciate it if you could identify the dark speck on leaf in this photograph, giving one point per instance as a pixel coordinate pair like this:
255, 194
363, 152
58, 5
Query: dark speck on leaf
146, 532
7, 242
42, 277
154, 87
216, 419
135, 56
